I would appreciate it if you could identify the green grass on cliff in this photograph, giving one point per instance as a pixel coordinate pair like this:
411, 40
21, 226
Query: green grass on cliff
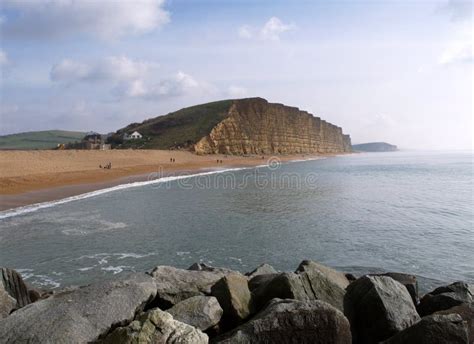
182, 128
39, 139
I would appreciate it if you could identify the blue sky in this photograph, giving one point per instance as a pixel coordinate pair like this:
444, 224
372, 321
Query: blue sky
396, 71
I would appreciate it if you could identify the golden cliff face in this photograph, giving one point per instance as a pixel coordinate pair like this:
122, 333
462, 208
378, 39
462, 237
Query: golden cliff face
254, 126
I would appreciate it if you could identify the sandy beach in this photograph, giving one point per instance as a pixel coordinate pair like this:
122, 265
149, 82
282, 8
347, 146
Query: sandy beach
28, 177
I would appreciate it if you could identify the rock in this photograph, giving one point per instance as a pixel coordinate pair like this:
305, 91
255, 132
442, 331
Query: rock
409, 281
312, 281
446, 297
350, 277
14, 285
234, 296
260, 280
378, 307
7, 303
81, 315
334, 276
175, 285
285, 285
434, 329
156, 327
467, 314
205, 267
291, 321
202, 312
263, 269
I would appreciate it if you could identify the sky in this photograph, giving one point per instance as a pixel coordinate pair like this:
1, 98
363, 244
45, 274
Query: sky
393, 71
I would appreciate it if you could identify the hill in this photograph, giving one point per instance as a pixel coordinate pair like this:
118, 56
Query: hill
39, 139
239, 126
179, 129
374, 147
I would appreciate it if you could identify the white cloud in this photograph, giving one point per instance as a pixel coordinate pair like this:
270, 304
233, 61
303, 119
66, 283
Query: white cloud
245, 31
107, 19
273, 28
178, 85
270, 31
460, 49
114, 68
237, 91
3, 58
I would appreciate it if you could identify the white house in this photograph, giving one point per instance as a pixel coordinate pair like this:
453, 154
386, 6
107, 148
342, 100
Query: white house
133, 136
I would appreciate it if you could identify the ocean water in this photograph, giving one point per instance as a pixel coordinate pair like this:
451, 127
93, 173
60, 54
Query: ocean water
404, 211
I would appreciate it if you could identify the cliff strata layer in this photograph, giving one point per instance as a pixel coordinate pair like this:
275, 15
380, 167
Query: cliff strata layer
255, 126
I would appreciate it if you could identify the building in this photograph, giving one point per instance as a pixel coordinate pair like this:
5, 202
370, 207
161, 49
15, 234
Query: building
133, 136
94, 140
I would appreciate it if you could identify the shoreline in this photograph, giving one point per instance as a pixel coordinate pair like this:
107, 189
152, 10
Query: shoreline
19, 189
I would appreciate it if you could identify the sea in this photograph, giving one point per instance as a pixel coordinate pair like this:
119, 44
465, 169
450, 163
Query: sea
403, 211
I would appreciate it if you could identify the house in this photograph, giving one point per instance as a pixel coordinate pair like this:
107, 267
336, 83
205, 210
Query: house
94, 140
133, 136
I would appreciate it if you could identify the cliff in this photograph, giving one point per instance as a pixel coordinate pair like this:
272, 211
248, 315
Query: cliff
243, 126
254, 126
374, 147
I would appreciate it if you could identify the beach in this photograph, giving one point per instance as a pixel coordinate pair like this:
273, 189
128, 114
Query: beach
28, 177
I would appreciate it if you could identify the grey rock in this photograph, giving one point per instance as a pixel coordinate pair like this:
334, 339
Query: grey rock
14, 285
337, 277
202, 312
434, 329
175, 285
234, 296
81, 315
466, 312
378, 307
308, 283
260, 280
156, 327
7, 303
205, 267
446, 297
263, 269
409, 281
291, 321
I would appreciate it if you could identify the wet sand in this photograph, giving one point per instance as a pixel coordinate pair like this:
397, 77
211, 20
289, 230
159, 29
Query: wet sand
28, 177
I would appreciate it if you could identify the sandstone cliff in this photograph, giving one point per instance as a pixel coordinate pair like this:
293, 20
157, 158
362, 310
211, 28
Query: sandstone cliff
242, 126
254, 126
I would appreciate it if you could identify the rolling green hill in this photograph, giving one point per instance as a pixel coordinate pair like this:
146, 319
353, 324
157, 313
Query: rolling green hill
39, 139
181, 128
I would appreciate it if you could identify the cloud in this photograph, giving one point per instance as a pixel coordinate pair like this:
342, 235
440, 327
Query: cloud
114, 68
237, 91
270, 31
106, 19
177, 85
3, 58
460, 49
459, 10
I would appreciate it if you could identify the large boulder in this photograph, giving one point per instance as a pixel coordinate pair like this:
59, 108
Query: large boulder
175, 285
409, 281
378, 307
202, 312
336, 277
156, 327
291, 321
205, 267
310, 282
7, 303
446, 297
466, 312
262, 269
434, 329
234, 296
14, 285
81, 315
